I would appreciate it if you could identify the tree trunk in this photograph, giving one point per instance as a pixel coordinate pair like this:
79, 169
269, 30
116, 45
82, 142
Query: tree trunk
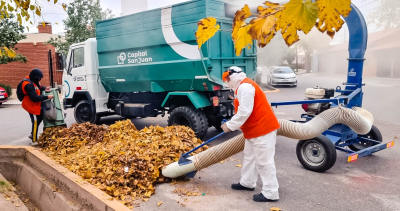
307, 64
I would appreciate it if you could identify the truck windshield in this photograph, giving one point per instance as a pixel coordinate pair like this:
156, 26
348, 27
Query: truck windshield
283, 70
79, 59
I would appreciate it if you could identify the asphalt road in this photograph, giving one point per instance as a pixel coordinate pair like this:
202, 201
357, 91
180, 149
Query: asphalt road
371, 183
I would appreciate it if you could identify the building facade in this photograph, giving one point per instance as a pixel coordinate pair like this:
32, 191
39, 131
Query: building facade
37, 54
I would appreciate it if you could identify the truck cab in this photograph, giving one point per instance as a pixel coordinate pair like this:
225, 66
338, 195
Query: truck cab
81, 84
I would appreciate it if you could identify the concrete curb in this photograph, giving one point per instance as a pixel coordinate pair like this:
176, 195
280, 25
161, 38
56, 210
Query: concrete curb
37, 174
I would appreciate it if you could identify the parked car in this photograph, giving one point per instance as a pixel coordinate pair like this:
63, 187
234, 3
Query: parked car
3, 95
282, 75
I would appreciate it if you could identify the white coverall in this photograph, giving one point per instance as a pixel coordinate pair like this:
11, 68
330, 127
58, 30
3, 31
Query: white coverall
258, 152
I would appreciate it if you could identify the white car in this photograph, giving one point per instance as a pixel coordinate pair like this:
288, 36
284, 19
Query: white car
282, 75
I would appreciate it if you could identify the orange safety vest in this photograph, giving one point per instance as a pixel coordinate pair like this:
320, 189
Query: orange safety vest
262, 120
30, 106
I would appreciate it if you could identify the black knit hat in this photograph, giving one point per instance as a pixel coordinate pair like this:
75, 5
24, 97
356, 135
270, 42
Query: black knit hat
36, 75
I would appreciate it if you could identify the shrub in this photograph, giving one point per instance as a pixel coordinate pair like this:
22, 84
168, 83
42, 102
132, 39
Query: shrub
7, 88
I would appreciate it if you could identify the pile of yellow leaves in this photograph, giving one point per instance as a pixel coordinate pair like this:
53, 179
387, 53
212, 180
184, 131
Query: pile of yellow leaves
127, 162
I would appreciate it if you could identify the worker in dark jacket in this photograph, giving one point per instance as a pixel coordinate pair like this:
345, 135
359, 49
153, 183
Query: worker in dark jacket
33, 99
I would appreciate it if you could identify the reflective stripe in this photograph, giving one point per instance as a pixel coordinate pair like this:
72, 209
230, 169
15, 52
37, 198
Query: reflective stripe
34, 135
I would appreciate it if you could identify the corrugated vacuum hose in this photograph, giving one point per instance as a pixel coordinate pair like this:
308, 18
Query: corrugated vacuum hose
358, 119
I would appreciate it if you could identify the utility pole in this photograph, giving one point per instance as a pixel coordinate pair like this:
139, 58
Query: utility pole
297, 59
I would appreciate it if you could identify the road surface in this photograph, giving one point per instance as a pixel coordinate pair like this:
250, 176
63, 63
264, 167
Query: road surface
371, 183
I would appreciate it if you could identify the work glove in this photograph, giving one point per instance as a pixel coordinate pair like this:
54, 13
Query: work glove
225, 128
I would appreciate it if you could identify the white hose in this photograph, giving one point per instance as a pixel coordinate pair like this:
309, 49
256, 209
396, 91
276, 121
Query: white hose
358, 119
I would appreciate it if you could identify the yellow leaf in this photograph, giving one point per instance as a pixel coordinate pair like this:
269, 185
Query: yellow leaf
10, 52
238, 21
38, 13
263, 29
10, 8
64, 6
206, 28
238, 165
271, 8
329, 15
148, 194
55, 1
56, 23
275, 209
159, 203
43, 24
32, 7
243, 39
297, 15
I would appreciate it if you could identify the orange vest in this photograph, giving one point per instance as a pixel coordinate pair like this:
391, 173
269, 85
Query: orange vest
262, 120
30, 106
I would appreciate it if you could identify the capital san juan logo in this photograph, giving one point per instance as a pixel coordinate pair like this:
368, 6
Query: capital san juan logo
134, 58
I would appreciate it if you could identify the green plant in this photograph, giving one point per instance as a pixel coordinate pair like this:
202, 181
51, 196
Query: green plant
7, 88
5, 186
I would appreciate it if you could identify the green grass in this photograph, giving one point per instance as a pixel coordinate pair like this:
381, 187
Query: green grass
5, 186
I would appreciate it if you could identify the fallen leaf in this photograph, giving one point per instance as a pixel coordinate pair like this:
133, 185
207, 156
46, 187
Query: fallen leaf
238, 165
275, 209
159, 203
94, 152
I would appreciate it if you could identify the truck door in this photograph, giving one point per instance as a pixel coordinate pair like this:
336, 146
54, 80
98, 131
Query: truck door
75, 77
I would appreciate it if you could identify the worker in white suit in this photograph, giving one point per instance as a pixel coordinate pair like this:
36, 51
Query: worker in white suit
254, 116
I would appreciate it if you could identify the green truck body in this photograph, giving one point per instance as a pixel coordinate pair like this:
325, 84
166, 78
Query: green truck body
148, 63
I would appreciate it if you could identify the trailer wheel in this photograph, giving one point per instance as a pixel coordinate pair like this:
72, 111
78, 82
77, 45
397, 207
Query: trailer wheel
374, 134
84, 113
191, 117
317, 154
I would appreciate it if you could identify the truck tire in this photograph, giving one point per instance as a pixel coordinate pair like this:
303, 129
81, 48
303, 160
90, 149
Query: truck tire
84, 113
191, 117
317, 154
374, 134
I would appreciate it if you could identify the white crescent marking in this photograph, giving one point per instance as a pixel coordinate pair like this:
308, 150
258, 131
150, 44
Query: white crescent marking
181, 48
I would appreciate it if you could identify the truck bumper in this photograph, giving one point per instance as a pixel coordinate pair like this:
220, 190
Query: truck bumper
67, 103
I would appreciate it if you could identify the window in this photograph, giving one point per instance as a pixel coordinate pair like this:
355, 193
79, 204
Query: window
283, 70
79, 59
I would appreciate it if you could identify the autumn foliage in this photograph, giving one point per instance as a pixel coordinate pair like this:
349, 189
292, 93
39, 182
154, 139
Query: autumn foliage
122, 161
288, 19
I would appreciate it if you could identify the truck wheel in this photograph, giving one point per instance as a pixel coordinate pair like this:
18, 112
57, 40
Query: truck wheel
374, 134
217, 124
191, 117
84, 113
317, 154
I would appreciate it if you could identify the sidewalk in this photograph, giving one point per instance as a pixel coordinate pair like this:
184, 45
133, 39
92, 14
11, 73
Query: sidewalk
14, 102
386, 82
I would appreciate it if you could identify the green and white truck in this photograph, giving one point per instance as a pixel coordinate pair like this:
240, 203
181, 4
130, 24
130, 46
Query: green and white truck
148, 64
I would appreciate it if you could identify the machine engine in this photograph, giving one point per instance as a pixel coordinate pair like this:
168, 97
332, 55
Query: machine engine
317, 93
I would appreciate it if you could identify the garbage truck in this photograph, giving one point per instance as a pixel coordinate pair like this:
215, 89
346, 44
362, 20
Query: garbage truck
148, 64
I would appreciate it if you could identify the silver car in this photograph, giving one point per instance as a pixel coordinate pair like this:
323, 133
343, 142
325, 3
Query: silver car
282, 75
